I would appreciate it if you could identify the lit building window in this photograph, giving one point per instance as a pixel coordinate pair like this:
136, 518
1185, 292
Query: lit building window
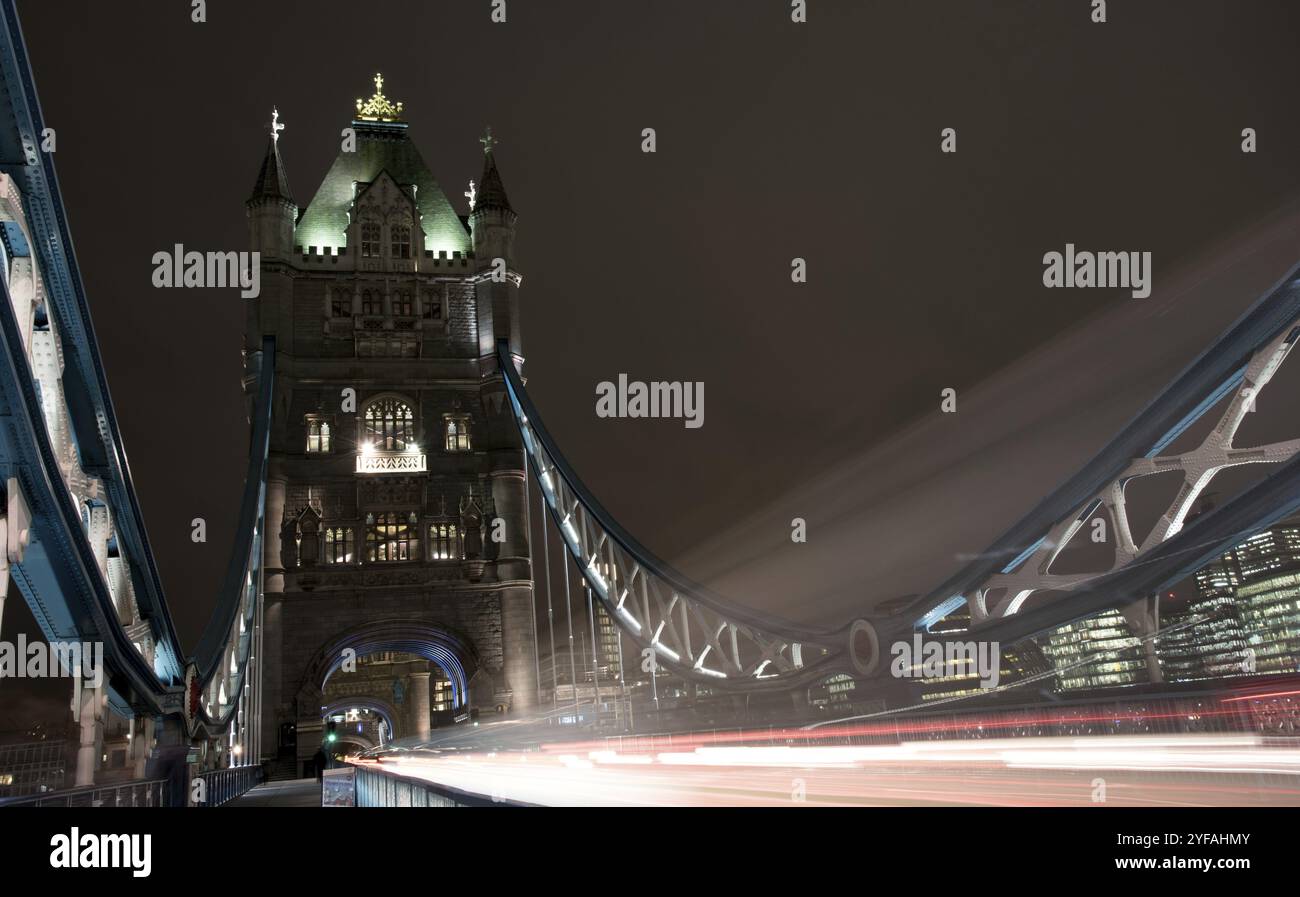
457, 433
372, 303
369, 239
318, 435
338, 545
390, 425
401, 241
445, 542
391, 537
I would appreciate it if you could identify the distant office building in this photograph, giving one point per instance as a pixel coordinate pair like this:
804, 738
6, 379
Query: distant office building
1245, 619
1098, 652
609, 649
1205, 640
1018, 662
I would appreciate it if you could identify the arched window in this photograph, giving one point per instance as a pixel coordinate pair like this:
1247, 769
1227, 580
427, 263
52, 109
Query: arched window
318, 435
338, 545
401, 241
390, 425
457, 433
403, 304
370, 239
445, 541
391, 537
372, 303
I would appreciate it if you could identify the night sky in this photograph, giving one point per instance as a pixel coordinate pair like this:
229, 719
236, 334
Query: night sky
775, 141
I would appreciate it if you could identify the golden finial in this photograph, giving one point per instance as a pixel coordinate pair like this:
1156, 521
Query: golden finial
379, 107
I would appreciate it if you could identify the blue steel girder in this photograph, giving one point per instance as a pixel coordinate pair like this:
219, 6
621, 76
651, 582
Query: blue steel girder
86, 392
231, 628
59, 575
1236, 368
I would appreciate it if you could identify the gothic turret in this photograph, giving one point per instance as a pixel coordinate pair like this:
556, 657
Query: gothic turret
492, 224
271, 209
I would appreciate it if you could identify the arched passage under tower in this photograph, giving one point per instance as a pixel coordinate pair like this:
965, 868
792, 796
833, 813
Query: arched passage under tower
408, 675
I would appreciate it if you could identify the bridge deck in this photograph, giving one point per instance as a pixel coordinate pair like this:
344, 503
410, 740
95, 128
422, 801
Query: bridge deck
292, 793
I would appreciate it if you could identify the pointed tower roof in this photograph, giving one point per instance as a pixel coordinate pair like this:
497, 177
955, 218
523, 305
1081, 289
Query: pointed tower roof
271, 180
491, 192
382, 143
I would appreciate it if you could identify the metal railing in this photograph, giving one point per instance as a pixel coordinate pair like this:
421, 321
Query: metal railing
150, 793
380, 788
224, 785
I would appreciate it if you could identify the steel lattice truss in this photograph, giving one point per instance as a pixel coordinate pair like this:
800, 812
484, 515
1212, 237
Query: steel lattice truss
696, 634
1003, 594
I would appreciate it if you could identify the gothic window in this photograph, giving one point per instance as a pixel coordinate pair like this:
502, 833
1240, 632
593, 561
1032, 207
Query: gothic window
372, 302
403, 304
390, 425
338, 545
370, 239
340, 306
391, 537
318, 435
457, 433
401, 241
445, 541
432, 306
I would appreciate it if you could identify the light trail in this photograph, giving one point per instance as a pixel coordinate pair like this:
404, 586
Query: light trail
1161, 770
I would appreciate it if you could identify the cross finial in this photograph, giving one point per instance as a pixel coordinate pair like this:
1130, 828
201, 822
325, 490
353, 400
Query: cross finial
276, 127
379, 83
488, 140
471, 194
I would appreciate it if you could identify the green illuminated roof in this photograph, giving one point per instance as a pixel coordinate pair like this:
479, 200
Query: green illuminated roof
380, 147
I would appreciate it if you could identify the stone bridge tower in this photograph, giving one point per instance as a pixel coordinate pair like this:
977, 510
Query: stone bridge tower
396, 509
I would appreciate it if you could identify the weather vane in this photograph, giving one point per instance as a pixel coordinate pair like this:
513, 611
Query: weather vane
276, 127
471, 194
488, 140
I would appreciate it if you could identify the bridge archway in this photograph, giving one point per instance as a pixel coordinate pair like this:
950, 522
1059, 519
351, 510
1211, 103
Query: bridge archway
386, 711
454, 654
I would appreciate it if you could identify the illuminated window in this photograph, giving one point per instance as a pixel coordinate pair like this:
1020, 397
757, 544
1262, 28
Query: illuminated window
401, 241
338, 545
390, 425
391, 537
372, 302
403, 303
318, 435
444, 541
457, 433
369, 239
